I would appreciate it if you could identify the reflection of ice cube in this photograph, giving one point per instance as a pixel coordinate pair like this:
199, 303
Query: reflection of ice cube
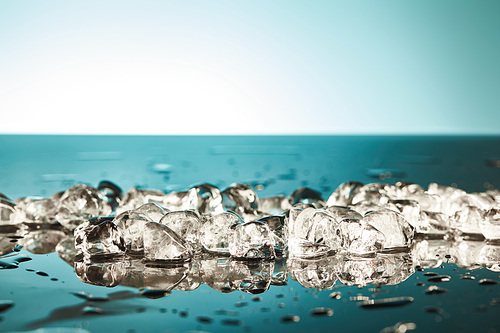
108, 274
466, 253
429, 253
217, 273
251, 240
42, 241
99, 236
214, 231
252, 277
7, 211
490, 224
319, 273
162, 243
490, 257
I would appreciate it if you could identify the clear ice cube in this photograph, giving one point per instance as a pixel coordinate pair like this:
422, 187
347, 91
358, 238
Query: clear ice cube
467, 220
276, 226
274, 205
489, 257
41, 241
343, 195
136, 197
7, 211
209, 199
341, 213
181, 200
410, 209
152, 210
252, 277
99, 237
307, 196
107, 274
215, 229
490, 224
241, 199
439, 223
396, 230
217, 273
131, 223
111, 192
35, 210
186, 224
359, 238
251, 240
80, 203
162, 244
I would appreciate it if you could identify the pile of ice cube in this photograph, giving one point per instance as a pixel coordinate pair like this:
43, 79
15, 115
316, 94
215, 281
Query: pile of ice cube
357, 219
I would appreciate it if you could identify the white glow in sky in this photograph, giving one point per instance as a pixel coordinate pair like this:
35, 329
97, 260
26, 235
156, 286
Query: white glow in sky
234, 67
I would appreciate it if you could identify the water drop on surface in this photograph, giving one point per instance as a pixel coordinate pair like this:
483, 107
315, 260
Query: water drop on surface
420, 284
322, 312
256, 298
434, 290
232, 322
487, 282
290, 319
42, 273
92, 310
468, 277
439, 278
433, 309
336, 295
431, 274
204, 320
386, 302
5, 305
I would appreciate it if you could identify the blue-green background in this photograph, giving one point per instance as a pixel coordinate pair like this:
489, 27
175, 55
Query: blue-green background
250, 67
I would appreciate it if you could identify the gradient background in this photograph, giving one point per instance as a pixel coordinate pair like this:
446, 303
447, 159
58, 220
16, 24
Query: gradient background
250, 67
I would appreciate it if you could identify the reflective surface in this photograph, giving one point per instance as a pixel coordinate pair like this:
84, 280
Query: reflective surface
438, 284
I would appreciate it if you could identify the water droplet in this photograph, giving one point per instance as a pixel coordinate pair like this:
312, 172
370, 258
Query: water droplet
439, 278
18, 248
240, 304
433, 309
42, 273
163, 310
90, 297
336, 295
54, 279
256, 298
281, 305
204, 320
139, 310
265, 309
420, 284
386, 302
183, 313
153, 293
487, 282
227, 313
5, 305
434, 290
431, 274
232, 322
92, 310
468, 277
280, 296
322, 312
290, 319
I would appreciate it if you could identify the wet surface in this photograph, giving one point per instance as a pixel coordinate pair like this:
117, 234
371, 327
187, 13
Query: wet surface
448, 288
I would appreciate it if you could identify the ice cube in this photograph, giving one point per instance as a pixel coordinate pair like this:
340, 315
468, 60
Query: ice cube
136, 197
274, 205
80, 203
181, 200
99, 237
240, 198
214, 231
152, 210
490, 224
111, 192
251, 240
319, 273
209, 199
448, 195
364, 208
323, 230
410, 209
35, 210
439, 223
7, 211
276, 226
467, 220
131, 224
427, 201
163, 278
398, 233
343, 195
373, 194
359, 238
303, 249
162, 244
186, 224
307, 196
341, 213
